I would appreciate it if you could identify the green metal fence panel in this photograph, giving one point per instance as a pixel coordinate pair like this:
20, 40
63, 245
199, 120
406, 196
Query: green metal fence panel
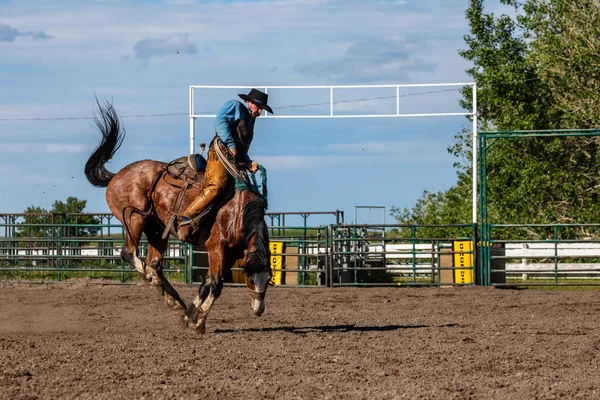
57, 246
549, 254
303, 259
60, 247
402, 255
542, 255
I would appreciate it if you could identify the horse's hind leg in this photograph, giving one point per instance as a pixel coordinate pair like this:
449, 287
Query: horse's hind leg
154, 266
133, 231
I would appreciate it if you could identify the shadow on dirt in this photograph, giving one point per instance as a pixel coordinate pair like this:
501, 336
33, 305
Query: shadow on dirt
332, 328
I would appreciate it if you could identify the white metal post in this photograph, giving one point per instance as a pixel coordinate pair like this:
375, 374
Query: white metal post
331, 101
192, 131
475, 142
265, 111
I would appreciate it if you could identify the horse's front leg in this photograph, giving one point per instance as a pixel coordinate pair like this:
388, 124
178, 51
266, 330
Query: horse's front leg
200, 307
219, 263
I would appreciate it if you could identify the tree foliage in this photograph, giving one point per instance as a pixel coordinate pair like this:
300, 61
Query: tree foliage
565, 48
536, 69
39, 222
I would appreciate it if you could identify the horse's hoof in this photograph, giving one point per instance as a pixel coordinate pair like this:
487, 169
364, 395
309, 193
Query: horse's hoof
199, 329
185, 321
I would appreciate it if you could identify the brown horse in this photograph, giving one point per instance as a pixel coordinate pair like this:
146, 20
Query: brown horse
142, 199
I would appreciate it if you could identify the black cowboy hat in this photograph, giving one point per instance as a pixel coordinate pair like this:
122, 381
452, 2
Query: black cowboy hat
257, 97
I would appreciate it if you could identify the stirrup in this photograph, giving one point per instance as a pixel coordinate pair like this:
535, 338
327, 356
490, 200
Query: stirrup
184, 221
196, 221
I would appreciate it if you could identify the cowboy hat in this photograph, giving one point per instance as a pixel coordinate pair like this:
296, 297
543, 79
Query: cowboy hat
257, 97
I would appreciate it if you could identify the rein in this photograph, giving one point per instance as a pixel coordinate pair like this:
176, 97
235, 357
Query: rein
252, 186
229, 166
242, 182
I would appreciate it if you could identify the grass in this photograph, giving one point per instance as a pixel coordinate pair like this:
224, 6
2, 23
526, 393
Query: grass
550, 284
92, 271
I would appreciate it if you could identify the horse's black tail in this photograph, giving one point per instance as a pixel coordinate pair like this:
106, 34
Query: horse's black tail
112, 136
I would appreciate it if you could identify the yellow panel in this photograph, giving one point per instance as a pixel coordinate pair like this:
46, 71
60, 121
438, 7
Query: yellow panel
463, 258
276, 261
238, 274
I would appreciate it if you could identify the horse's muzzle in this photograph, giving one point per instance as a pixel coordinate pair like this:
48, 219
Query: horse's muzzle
261, 283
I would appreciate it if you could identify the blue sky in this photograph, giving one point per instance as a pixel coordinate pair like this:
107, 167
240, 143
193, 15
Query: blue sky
55, 56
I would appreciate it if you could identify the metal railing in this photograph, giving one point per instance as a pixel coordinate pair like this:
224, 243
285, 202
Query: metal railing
542, 255
51, 246
402, 255
59, 247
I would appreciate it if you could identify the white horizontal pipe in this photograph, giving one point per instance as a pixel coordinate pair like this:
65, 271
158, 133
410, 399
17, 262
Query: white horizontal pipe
335, 87
347, 116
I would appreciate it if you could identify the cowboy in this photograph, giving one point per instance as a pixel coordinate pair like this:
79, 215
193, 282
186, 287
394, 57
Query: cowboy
234, 127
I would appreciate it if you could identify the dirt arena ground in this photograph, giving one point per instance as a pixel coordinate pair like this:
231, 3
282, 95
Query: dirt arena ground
85, 341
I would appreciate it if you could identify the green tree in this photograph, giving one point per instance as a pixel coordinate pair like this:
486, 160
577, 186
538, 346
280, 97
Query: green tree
536, 70
566, 49
33, 223
68, 214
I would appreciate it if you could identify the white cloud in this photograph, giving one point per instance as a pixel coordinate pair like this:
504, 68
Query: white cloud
31, 109
44, 148
289, 32
88, 53
159, 47
9, 34
373, 59
63, 148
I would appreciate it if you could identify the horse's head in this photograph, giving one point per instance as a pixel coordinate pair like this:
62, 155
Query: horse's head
256, 261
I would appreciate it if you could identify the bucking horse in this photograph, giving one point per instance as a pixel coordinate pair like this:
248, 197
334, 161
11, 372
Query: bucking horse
147, 197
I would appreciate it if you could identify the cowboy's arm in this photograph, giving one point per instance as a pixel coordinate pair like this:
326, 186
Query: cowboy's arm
246, 161
251, 165
229, 113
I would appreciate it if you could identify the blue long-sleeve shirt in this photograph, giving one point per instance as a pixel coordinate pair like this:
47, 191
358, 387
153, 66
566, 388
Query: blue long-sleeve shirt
227, 115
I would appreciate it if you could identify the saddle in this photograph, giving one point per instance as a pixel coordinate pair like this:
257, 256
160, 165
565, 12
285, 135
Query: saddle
187, 168
182, 173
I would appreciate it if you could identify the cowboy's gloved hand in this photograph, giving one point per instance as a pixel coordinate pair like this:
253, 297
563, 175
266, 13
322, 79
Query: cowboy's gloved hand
253, 166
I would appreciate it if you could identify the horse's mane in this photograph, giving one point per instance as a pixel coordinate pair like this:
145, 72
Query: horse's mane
253, 225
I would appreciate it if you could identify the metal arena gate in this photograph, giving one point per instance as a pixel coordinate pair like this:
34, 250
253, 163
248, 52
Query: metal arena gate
534, 254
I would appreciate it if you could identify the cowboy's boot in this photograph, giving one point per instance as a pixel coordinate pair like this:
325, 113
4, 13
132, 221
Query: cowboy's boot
215, 179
